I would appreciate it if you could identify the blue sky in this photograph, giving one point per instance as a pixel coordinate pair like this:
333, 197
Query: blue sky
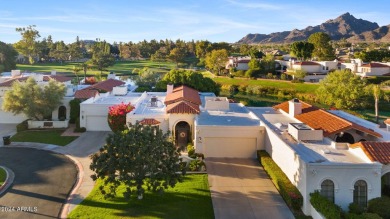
213, 20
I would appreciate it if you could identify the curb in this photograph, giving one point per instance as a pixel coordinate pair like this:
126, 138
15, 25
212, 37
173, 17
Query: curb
8, 180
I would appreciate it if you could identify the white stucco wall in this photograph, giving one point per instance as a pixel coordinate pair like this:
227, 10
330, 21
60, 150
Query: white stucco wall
367, 71
65, 102
163, 119
308, 68
242, 66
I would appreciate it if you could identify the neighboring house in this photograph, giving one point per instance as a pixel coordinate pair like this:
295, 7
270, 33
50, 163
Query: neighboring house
239, 63
316, 70
374, 69
16, 76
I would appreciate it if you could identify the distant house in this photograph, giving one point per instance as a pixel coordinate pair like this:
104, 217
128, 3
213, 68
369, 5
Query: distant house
316, 70
239, 63
375, 69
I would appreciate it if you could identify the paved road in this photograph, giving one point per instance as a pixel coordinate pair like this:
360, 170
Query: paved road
42, 182
241, 189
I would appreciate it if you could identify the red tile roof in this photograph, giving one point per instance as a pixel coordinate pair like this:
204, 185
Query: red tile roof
106, 85
243, 61
149, 121
387, 121
21, 78
183, 93
306, 63
318, 118
375, 65
375, 150
85, 94
183, 107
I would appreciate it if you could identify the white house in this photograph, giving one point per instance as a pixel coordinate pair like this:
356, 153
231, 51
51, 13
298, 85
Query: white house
240, 63
374, 69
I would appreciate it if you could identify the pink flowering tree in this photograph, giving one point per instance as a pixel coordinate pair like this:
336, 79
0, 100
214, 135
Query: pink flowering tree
117, 116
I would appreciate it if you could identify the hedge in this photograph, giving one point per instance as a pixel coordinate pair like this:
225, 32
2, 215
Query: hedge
23, 126
324, 206
287, 190
380, 206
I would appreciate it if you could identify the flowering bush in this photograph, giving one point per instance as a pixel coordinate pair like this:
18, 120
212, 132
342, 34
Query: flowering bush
117, 116
90, 80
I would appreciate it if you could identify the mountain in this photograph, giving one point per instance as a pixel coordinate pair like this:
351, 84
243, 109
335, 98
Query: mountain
345, 26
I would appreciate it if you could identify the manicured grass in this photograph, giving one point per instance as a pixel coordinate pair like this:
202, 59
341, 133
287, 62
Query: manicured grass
3, 176
43, 136
299, 87
120, 67
189, 199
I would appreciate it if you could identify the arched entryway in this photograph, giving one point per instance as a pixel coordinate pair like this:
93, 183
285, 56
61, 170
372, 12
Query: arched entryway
182, 134
345, 137
386, 184
62, 113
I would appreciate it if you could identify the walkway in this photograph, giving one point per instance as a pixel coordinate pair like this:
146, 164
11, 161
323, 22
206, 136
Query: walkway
241, 189
41, 184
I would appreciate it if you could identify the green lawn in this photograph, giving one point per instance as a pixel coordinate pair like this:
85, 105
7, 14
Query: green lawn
3, 176
120, 67
299, 87
189, 199
43, 136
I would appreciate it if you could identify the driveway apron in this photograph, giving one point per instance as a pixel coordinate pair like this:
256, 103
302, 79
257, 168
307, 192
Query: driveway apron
240, 188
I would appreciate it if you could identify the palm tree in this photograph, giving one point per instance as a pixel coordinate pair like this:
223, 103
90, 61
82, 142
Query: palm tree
379, 93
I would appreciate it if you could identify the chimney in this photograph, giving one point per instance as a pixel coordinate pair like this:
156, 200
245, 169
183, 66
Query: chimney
15, 73
53, 72
294, 107
169, 88
111, 75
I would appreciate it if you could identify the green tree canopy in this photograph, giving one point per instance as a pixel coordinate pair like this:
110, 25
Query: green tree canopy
101, 56
343, 89
190, 78
177, 55
28, 45
139, 157
216, 60
322, 48
33, 100
302, 50
7, 57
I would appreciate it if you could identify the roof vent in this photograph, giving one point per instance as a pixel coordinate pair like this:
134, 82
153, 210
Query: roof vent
295, 100
153, 101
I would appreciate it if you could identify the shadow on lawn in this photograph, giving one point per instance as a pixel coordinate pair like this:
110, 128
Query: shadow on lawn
168, 205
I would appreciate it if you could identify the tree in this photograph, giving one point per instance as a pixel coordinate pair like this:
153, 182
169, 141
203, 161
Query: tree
378, 93
302, 50
299, 74
216, 60
177, 55
343, 89
139, 157
147, 78
7, 57
255, 53
322, 48
27, 46
101, 56
35, 101
76, 69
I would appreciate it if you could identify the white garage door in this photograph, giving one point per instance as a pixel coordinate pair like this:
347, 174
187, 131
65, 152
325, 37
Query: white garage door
97, 123
230, 147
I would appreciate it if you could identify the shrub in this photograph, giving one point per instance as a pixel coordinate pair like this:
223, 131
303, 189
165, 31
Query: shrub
117, 116
355, 208
23, 126
283, 77
362, 216
239, 73
324, 206
269, 76
287, 190
191, 151
380, 206
82, 129
196, 165
74, 110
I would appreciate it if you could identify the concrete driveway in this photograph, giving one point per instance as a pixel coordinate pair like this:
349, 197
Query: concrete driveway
6, 129
42, 183
241, 189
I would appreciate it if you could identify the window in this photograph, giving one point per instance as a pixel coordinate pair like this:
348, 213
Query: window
360, 193
327, 189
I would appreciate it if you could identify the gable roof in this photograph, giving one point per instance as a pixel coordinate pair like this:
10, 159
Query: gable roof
149, 121
183, 93
375, 150
106, 85
375, 65
85, 94
318, 118
306, 63
183, 107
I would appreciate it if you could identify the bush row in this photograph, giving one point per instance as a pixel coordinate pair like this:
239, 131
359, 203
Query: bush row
23, 126
287, 190
325, 206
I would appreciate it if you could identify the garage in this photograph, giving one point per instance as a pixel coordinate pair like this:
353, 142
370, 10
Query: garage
97, 123
230, 147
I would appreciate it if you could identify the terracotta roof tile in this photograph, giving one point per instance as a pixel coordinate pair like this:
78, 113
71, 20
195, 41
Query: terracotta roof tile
318, 118
58, 78
375, 65
149, 121
183, 93
375, 150
85, 94
306, 63
106, 85
183, 107
387, 121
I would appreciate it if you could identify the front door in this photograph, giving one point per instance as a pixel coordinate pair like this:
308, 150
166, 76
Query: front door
182, 132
